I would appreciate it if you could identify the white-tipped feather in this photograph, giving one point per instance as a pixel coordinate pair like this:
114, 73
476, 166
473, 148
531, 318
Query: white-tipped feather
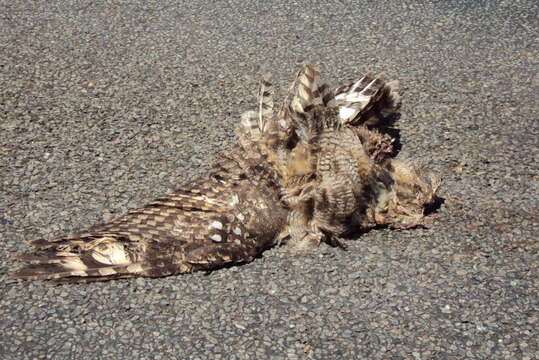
346, 113
367, 88
356, 84
111, 254
249, 121
265, 103
73, 263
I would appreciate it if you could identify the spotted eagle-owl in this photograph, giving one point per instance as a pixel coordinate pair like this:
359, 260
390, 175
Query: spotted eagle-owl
313, 171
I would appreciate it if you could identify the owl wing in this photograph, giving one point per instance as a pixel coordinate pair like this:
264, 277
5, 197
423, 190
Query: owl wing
229, 217
201, 227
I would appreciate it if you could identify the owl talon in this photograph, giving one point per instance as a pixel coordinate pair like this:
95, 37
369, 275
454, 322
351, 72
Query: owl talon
335, 241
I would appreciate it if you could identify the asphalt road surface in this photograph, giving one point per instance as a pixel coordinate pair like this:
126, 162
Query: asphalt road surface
105, 105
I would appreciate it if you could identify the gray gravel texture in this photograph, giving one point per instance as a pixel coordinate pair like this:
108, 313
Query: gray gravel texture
105, 105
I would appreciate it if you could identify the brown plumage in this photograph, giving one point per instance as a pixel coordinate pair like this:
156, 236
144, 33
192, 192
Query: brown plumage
313, 172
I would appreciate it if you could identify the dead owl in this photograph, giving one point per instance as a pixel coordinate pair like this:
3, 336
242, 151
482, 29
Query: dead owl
311, 172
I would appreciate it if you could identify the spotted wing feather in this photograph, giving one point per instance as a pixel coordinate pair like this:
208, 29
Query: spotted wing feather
229, 218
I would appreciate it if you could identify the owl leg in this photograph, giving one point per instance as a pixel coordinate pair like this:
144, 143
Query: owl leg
311, 236
305, 239
302, 234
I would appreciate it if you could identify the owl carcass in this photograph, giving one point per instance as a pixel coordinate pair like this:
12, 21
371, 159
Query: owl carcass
311, 172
